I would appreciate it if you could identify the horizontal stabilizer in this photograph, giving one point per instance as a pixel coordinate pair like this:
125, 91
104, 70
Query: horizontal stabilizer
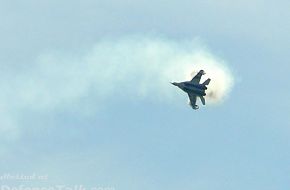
206, 82
202, 100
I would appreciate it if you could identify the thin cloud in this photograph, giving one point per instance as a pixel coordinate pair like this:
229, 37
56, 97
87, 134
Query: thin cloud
136, 67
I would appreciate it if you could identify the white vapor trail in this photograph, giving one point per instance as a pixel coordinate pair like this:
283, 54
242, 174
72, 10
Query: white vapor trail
221, 78
131, 67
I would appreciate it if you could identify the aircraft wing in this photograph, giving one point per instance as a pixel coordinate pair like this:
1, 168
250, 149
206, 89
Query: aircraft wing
197, 77
192, 99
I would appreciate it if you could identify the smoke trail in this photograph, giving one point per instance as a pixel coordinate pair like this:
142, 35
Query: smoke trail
135, 67
144, 66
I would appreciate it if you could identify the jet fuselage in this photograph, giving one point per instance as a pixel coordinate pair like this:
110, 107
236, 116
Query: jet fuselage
194, 89
188, 87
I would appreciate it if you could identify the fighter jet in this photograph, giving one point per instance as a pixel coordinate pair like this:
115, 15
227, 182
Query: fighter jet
194, 89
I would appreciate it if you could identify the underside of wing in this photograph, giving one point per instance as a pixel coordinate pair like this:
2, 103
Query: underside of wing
192, 99
197, 77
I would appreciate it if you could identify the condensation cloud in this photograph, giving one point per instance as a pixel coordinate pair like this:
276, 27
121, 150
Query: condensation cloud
221, 78
134, 67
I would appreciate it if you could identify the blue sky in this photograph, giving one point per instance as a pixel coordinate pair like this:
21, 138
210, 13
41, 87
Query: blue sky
84, 118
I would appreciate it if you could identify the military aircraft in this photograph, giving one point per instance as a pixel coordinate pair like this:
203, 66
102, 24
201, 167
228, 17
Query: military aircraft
194, 89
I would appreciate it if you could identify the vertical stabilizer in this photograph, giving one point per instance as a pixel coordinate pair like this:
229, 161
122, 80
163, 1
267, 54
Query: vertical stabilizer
206, 82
